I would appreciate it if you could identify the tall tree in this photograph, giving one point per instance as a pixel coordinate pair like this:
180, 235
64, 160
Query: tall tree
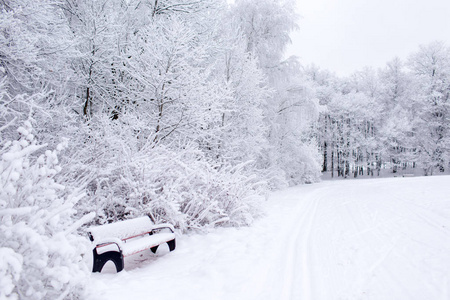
431, 68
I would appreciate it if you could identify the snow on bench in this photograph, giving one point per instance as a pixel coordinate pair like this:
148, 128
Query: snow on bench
117, 240
408, 175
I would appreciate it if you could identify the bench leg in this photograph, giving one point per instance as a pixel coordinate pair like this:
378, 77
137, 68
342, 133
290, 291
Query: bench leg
171, 245
101, 259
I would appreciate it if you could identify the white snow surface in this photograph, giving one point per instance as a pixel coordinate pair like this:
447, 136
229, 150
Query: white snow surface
347, 239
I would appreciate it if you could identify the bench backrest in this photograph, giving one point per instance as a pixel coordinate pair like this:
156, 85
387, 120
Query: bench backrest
121, 229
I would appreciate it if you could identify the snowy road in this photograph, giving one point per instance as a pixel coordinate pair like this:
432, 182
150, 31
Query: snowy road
352, 239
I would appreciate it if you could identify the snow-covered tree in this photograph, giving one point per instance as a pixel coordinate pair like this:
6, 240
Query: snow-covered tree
266, 25
431, 68
395, 130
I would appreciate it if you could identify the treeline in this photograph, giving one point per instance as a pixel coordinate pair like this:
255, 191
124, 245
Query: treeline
180, 110
167, 104
394, 120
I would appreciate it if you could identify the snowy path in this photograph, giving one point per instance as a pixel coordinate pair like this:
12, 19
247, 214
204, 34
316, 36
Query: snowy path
355, 239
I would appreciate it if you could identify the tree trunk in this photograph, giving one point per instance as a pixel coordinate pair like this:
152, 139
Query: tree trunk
325, 162
87, 105
332, 163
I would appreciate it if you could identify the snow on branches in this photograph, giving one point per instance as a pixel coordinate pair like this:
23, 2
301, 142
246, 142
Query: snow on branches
41, 256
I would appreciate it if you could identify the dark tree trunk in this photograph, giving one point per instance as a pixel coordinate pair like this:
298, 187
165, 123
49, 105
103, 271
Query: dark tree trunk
332, 163
325, 162
87, 105
338, 164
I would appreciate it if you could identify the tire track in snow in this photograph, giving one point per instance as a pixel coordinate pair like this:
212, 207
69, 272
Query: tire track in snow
299, 253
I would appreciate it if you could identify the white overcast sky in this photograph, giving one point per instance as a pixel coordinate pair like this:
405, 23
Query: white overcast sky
345, 35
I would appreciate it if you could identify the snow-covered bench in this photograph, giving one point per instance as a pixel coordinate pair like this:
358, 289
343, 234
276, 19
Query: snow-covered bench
117, 240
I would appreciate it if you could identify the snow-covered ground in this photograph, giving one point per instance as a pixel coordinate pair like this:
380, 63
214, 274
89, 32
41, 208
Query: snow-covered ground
349, 239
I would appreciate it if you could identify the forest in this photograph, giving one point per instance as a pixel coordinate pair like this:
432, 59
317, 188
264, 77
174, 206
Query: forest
185, 111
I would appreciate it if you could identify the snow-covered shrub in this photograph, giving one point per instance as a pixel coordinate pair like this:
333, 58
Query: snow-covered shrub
40, 254
176, 182
307, 167
188, 191
180, 187
301, 162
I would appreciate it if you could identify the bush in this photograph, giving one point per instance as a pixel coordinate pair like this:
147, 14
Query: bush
180, 187
177, 183
41, 254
